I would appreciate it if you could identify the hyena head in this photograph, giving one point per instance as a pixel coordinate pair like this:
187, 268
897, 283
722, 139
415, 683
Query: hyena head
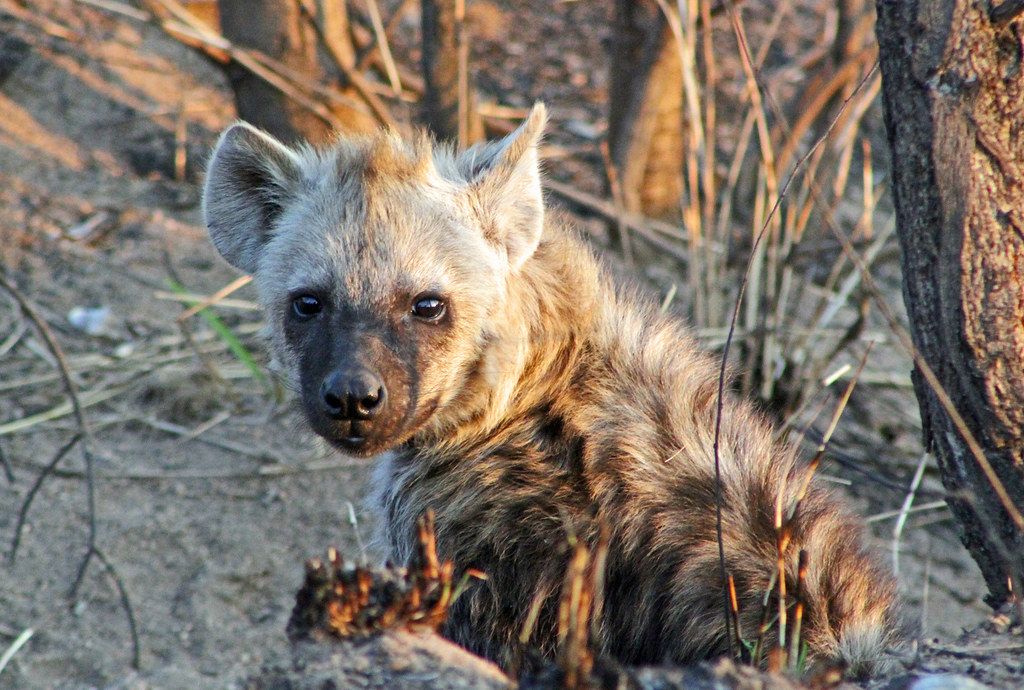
382, 265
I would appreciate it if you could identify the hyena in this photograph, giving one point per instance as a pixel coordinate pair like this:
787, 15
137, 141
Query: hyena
429, 312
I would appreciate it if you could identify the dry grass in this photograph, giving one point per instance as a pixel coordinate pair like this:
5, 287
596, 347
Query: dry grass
758, 219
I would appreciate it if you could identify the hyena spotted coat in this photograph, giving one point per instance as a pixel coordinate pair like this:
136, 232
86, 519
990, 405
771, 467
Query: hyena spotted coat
427, 311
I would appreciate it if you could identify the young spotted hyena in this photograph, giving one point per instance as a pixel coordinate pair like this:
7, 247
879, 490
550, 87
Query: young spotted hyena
421, 302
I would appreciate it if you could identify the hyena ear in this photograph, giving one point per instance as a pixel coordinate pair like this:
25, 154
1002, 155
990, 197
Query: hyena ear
505, 177
248, 180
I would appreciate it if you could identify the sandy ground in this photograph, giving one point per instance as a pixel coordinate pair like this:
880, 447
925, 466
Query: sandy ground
209, 493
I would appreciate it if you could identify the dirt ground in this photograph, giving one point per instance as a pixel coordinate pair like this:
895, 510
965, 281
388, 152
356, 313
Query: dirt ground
210, 492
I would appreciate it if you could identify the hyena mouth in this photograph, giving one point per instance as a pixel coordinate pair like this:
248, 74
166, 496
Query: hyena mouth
347, 435
356, 436
353, 436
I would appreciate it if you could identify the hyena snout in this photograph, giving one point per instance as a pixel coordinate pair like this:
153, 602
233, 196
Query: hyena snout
352, 395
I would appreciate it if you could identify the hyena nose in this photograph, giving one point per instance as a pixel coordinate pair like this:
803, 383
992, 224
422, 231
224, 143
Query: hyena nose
352, 396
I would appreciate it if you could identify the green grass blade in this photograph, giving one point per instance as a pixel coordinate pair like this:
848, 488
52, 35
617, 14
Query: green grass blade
226, 334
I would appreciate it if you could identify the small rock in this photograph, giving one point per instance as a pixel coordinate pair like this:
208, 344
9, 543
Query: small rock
91, 320
125, 349
91, 227
943, 681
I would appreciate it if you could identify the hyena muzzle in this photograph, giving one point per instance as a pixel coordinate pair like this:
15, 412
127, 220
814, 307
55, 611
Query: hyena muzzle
420, 301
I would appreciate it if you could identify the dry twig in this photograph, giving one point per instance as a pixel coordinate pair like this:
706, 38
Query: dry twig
19, 524
84, 438
216, 297
382, 45
126, 603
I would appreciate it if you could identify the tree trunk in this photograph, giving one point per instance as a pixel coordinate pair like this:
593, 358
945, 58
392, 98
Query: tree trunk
449, 102
277, 28
645, 119
953, 92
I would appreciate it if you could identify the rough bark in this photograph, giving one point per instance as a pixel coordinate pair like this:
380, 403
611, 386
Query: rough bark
449, 101
277, 28
645, 119
953, 88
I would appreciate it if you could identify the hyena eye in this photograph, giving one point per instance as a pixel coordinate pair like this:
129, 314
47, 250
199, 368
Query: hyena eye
306, 307
428, 307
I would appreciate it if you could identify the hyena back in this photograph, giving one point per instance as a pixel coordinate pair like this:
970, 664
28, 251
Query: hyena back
427, 311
